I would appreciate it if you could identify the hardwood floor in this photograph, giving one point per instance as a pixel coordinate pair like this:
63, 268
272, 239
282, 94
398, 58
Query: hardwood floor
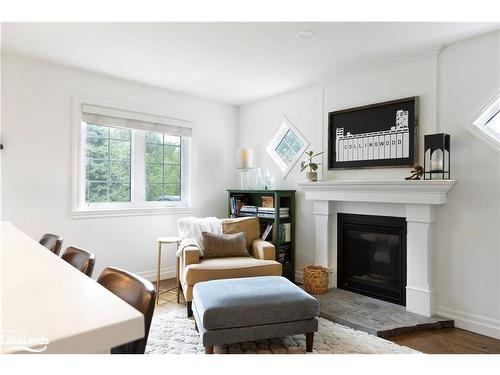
449, 341
168, 301
439, 341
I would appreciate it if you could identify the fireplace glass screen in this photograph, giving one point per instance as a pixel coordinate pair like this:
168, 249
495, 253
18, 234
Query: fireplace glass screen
372, 256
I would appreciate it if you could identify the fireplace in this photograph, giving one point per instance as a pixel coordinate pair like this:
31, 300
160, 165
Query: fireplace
414, 200
371, 256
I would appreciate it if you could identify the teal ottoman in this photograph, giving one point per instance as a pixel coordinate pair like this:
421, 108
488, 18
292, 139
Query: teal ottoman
236, 310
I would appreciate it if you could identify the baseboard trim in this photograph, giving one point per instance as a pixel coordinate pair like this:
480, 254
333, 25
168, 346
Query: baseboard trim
299, 276
471, 322
165, 273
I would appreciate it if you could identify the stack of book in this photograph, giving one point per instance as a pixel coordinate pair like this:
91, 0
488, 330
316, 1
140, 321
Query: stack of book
269, 212
248, 211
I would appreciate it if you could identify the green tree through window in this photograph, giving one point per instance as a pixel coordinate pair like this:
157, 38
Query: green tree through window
289, 146
107, 164
163, 167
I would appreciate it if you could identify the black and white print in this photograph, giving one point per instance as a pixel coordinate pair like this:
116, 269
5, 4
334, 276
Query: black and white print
375, 135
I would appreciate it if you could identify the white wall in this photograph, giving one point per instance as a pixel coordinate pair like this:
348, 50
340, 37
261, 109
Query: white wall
467, 249
414, 77
37, 160
257, 123
452, 85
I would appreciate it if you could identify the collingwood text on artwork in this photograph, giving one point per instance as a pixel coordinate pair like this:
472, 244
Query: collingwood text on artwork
385, 144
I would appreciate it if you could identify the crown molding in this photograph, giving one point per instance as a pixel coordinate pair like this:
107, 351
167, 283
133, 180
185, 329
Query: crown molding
432, 52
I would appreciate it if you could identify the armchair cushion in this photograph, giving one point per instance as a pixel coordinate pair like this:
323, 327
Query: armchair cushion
224, 245
227, 268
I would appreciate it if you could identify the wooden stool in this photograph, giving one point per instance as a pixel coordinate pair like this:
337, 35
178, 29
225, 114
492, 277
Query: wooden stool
161, 241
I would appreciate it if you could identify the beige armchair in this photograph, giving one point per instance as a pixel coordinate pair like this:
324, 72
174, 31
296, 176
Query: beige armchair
262, 262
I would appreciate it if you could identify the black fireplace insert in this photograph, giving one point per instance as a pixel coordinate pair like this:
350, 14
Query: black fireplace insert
372, 256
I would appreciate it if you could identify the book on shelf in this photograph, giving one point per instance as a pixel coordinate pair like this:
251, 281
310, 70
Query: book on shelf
246, 208
283, 253
236, 203
272, 209
271, 215
267, 231
245, 214
284, 232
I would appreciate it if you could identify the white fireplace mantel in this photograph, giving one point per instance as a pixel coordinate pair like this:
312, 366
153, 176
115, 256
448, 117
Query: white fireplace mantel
418, 198
403, 191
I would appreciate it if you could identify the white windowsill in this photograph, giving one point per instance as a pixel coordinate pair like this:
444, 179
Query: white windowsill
96, 213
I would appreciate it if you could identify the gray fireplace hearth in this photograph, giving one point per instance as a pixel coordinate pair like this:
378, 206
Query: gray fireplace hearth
376, 317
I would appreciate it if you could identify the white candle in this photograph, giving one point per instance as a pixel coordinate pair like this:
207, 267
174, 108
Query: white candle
436, 165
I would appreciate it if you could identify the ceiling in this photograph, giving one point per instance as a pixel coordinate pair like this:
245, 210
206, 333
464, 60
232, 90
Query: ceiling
230, 62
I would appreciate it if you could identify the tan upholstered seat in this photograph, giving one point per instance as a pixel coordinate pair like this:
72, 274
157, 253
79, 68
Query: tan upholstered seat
262, 262
227, 268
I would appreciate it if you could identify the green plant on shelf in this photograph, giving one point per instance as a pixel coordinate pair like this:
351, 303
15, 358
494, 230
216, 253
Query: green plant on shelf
313, 167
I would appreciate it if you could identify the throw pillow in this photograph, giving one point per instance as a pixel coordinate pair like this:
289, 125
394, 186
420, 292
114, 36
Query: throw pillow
224, 245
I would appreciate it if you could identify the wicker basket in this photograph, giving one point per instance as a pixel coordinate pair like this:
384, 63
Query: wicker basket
316, 279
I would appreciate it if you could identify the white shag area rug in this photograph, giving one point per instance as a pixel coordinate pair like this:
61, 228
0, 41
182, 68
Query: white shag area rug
174, 333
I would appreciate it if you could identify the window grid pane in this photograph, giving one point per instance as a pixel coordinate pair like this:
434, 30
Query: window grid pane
108, 164
289, 146
163, 167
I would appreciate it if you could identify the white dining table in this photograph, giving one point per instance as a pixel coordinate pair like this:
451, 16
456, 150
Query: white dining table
48, 306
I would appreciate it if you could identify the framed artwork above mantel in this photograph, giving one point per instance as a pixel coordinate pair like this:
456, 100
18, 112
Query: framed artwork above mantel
377, 135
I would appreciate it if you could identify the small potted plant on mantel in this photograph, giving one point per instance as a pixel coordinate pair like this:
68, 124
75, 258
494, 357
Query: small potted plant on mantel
312, 175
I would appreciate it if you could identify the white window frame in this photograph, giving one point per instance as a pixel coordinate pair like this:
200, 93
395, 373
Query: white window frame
477, 125
137, 205
286, 125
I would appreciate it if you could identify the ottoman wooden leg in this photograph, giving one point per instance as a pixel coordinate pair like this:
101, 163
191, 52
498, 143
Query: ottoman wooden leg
309, 342
196, 326
209, 350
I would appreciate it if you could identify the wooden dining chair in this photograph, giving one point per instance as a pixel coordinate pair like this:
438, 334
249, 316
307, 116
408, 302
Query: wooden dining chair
82, 260
137, 292
52, 242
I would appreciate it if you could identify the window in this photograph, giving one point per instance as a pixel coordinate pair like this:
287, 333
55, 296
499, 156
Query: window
494, 123
287, 146
486, 125
163, 167
107, 164
131, 160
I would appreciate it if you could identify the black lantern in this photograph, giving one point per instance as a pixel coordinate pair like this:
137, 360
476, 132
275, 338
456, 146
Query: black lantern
437, 157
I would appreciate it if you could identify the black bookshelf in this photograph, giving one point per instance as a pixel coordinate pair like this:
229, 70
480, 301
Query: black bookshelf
285, 250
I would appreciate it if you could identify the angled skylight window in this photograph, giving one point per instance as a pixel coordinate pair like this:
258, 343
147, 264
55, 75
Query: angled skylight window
486, 125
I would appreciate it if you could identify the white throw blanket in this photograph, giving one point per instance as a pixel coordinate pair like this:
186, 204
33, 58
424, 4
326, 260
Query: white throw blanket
191, 229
